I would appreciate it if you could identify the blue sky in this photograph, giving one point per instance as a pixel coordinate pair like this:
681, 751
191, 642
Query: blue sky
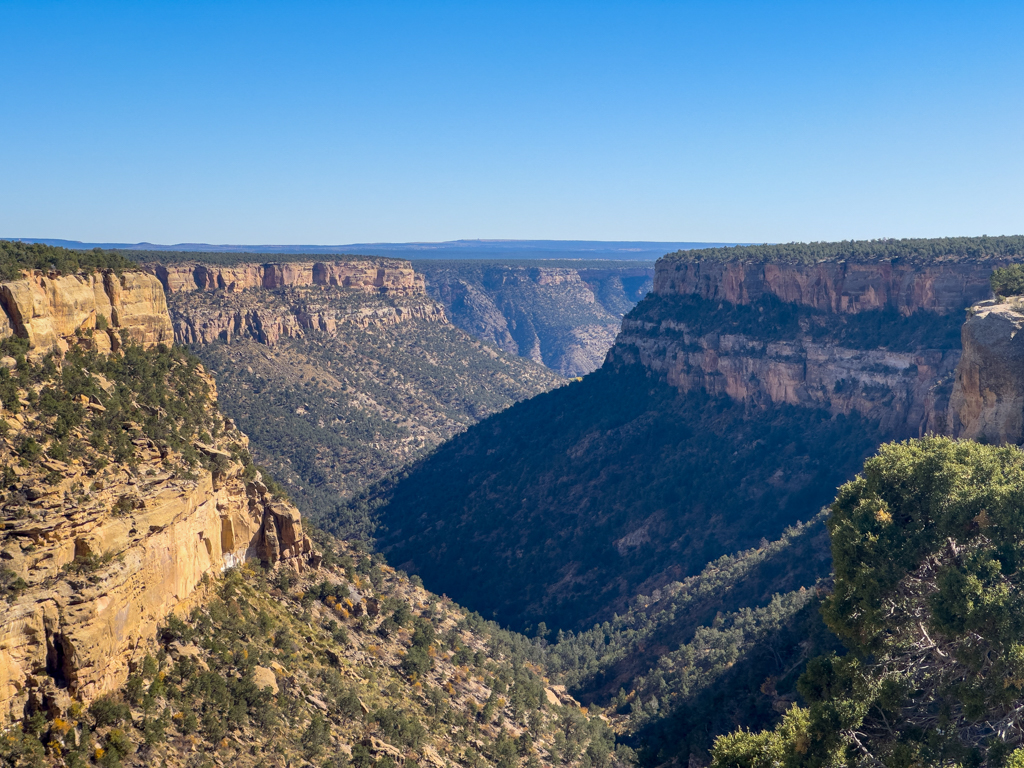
305, 122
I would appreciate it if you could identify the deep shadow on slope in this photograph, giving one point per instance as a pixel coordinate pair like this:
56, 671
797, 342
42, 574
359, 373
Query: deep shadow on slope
751, 694
564, 507
637, 649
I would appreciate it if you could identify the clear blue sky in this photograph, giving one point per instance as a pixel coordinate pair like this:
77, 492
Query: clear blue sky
302, 122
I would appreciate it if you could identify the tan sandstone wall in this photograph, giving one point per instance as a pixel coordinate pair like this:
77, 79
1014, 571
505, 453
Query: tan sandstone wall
53, 311
76, 634
841, 287
391, 276
988, 395
907, 392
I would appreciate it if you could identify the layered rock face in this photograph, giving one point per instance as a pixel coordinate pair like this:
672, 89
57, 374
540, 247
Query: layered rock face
270, 302
55, 311
268, 316
879, 340
94, 552
391, 276
837, 287
563, 317
988, 395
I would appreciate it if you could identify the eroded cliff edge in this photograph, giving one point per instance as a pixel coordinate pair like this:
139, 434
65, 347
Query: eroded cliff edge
124, 486
274, 301
987, 403
877, 339
100, 310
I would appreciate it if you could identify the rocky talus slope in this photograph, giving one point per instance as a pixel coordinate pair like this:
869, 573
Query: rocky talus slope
564, 315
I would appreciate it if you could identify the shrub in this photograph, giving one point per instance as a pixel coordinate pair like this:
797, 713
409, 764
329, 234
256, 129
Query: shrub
107, 711
315, 736
1008, 281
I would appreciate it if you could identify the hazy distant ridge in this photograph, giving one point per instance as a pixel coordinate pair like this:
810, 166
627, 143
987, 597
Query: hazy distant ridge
452, 249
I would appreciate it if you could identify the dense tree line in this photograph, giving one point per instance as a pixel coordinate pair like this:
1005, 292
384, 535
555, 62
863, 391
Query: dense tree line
16, 256
913, 250
222, 259
1008, 280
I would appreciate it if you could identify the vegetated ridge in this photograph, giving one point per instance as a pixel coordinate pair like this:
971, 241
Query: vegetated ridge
913, 250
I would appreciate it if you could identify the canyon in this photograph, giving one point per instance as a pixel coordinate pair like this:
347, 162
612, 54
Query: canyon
735, 399
146, 567
562, 314
341, 372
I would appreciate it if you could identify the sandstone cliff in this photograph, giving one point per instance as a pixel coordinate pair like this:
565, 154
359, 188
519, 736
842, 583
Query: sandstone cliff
390, 276
124, 488
267, 316
270, 302
54, 310
877, 339
988, 395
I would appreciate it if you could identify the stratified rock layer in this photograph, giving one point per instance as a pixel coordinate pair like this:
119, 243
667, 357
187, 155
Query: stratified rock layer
905, 388
55, 311
267, 316
834, 286
391, 276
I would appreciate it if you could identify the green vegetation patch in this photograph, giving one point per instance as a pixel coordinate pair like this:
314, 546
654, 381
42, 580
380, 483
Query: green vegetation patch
1008, 280
928, 552
913, 250
221, 259
15, 257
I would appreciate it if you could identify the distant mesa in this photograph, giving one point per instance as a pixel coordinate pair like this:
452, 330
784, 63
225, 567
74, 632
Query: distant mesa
639, 250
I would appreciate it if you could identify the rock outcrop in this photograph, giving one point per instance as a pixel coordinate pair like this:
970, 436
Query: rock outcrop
55, 311
988, 394
96, 551
274, 301
268, 316
394, 277
898, 389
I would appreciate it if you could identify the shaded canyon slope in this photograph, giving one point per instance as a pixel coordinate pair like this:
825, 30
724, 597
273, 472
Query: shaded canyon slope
561, 313
736, 398
341, 372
